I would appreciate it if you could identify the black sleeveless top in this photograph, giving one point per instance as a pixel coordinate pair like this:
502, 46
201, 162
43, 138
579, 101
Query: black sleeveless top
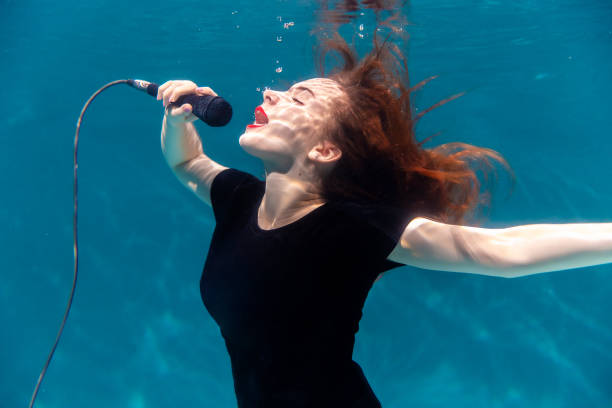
288, 301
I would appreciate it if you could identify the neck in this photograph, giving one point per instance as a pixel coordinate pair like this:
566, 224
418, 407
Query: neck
287, 198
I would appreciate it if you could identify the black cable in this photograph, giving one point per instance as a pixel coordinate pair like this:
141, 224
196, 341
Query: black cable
74, 229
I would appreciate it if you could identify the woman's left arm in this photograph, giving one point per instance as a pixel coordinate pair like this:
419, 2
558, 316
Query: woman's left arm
508, 252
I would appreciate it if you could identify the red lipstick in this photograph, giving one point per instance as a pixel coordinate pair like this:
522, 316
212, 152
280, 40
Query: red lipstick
261, 119
260, 116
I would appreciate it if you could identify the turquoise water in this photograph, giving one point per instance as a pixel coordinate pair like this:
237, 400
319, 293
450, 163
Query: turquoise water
538, 80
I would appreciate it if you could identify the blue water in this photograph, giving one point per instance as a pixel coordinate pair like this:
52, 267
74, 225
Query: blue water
538, 76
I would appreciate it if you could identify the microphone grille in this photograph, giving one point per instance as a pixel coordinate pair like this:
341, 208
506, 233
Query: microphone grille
219, 112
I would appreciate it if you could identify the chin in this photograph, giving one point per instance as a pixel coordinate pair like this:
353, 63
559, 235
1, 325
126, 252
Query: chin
247, 142
269, 151
251, 144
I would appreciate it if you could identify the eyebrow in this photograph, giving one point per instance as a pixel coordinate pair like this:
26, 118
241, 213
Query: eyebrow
305, 89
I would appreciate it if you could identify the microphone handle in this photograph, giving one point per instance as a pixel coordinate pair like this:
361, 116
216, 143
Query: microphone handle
213, 110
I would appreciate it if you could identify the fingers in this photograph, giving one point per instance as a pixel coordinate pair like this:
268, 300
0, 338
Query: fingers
179, 90
162, 88
181, 113
164, 94
204, 90
183, 110
174, 91
170, 91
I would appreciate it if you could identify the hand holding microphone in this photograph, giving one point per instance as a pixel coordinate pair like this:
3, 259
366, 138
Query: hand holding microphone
177, 108
186, 102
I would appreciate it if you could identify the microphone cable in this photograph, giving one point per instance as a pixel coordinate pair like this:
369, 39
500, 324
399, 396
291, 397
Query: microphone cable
215, 111
75, 236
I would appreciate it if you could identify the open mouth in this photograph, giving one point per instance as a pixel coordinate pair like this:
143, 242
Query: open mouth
261, 119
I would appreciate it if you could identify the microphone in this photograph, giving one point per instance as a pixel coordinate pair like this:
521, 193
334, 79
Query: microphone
213, 110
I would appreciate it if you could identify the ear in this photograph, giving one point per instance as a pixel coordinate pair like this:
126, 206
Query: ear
325, 152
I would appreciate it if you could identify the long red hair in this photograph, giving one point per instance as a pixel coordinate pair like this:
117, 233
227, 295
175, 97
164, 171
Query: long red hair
381, 158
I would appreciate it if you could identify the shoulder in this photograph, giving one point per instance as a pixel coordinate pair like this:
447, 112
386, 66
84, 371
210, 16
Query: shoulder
372, 231
369, 222
234, 176
230, 181
380, 216
231, 189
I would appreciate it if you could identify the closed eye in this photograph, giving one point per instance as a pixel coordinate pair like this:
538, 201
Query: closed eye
297, 101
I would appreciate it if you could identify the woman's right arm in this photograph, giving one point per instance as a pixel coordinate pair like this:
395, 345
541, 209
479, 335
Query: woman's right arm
180, 142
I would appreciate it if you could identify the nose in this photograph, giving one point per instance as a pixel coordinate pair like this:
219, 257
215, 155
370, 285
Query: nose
270, 96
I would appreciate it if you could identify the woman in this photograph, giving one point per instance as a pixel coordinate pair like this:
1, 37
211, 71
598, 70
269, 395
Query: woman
348, 194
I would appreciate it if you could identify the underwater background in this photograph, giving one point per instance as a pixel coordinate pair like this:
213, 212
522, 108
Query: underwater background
538, 77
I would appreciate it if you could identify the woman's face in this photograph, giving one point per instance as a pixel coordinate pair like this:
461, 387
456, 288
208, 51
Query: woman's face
289, 124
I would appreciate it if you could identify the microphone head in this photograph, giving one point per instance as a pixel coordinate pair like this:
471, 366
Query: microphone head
219, 112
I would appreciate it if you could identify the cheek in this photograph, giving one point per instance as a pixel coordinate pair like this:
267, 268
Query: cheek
279, 129
321, 113
314, 124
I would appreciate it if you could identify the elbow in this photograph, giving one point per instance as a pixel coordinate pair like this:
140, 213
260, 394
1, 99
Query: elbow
431, 245
519, 272
514, 263
498, 271
501, 260
512, 268
510, 274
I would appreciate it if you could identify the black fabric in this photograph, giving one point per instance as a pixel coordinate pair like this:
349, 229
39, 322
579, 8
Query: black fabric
288, 301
